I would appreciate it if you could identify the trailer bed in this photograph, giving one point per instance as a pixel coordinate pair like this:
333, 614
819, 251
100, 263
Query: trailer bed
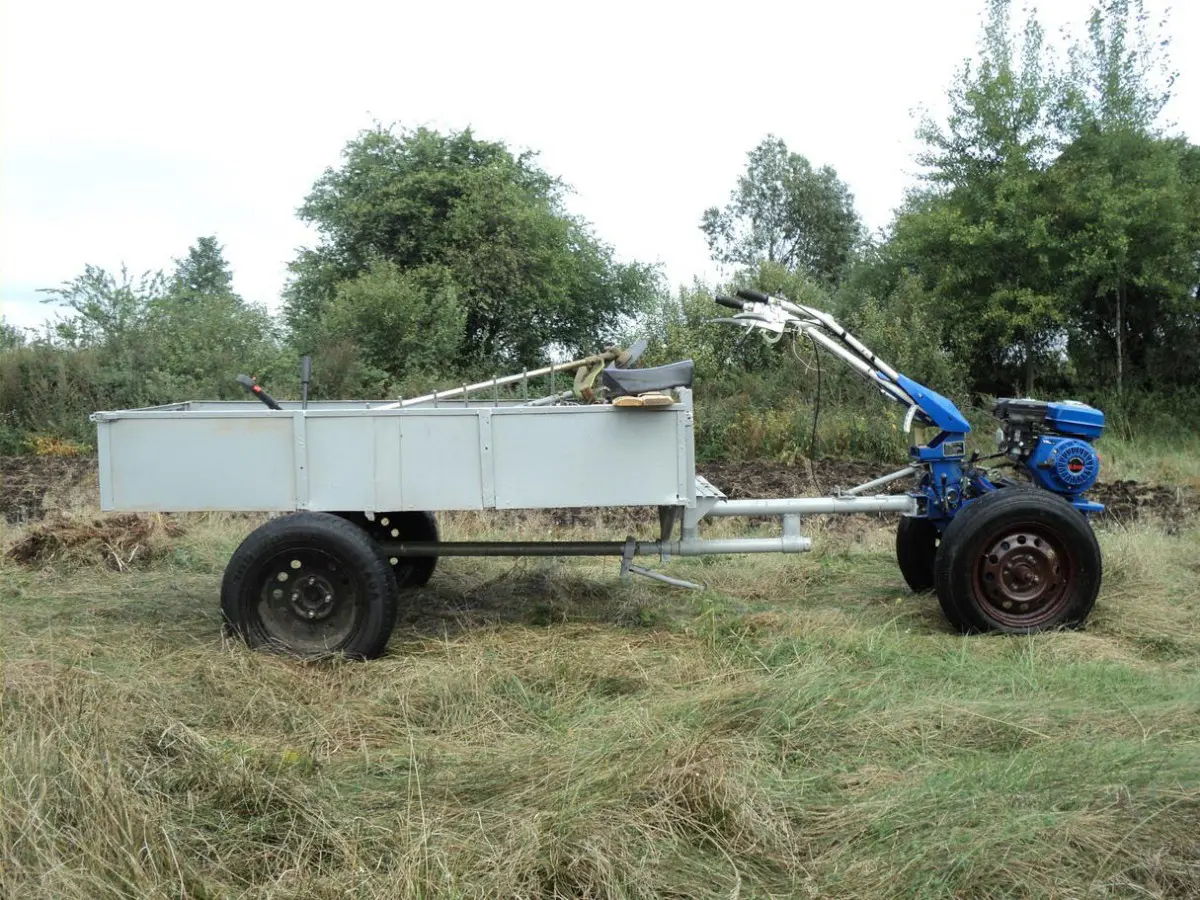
372, 456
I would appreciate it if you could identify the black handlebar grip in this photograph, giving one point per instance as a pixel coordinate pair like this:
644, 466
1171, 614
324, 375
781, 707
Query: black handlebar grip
248, 383
754, 296
730, 302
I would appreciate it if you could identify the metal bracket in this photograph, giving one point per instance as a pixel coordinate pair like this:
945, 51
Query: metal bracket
627, 555
628, 568
668, 518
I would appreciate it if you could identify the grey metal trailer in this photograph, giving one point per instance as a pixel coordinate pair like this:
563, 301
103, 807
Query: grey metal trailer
362, 480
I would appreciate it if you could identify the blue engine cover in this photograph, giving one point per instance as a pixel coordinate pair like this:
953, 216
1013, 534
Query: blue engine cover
1076, 419
1065, 465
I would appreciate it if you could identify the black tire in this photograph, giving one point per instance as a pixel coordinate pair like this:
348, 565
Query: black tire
310, 584
413, 571
1020, 560
916, 551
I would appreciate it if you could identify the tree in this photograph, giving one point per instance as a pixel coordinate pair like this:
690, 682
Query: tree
1126, 210
1120, 78
11, 337
403, 323
1131, 232
457, 212
202, 333
104, 309
980, 233
203, 272
786, 212
155, 339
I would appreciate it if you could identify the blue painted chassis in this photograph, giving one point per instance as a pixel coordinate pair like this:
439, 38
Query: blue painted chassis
947, 487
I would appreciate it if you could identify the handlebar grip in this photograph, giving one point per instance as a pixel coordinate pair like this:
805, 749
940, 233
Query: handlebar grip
754, 296
248, 383
730, 302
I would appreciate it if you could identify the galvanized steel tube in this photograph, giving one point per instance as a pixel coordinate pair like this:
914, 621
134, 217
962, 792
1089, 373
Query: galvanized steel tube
689, 547
512, 548
811, 506
880, 482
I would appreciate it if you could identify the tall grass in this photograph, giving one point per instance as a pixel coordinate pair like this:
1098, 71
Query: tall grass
803, 727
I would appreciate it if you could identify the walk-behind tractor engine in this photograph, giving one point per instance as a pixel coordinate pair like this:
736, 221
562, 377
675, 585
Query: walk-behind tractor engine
1052, 441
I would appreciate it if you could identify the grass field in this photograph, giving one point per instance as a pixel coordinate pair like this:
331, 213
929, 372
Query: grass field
1174, 462
802, 728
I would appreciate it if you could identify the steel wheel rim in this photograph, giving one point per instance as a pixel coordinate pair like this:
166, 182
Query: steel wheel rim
385, 528
308, 600
1024, 576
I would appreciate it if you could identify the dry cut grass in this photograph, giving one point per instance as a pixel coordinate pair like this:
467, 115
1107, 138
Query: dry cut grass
802, 728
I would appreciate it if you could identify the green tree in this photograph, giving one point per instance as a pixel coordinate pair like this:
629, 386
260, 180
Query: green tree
103, 309
203, 272
786, 212
159, 339
11, 337
450, 209
980, 233
402, 323
201, 334
1126, 207
1120, 77
1129, 224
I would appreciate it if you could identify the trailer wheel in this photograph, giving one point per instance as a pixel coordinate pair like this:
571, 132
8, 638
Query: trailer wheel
1020, 560
413, 571
916, 550
310, 584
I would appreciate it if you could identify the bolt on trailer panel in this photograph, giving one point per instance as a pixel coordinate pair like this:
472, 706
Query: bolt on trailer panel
350, 455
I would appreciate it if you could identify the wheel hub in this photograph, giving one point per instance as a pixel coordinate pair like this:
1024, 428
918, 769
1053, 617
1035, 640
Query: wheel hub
308, 600
312, 598
1023, 576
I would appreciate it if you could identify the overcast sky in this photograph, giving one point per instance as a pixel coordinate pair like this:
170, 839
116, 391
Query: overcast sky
130, 128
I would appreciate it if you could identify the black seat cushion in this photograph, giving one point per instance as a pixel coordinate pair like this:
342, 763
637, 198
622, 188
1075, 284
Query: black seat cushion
639, 381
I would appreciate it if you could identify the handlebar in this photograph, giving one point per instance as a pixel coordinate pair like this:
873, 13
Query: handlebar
248, 383
754, 296
778, 315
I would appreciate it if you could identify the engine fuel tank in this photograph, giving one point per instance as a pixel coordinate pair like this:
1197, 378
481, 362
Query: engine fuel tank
1075, 419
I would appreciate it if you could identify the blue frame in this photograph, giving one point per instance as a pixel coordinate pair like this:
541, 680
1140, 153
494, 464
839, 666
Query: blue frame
942, 486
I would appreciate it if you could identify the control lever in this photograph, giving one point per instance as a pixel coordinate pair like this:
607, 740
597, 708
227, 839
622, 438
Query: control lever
305, 378
248, 383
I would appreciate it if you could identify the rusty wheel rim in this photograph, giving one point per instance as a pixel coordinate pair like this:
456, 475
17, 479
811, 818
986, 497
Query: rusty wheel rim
1024, 576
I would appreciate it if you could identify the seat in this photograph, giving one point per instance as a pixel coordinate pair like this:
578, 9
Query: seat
621, 382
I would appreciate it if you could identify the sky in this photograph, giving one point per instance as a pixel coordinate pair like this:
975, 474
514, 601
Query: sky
128, 129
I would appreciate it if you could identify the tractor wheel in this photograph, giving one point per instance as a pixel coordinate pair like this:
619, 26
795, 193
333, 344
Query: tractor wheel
310, 584
1020, 560
916, 549
413, 571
